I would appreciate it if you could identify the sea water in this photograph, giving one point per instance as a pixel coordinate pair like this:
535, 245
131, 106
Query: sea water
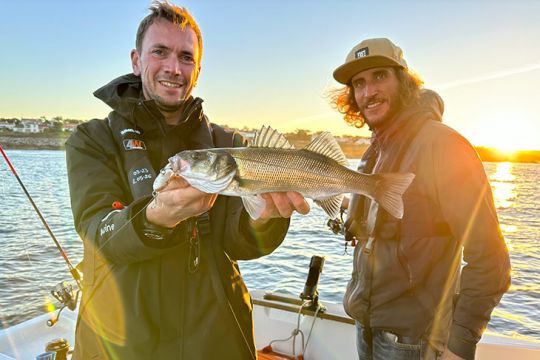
30, 264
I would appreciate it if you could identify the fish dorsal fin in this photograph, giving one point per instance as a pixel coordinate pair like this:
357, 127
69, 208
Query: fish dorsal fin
326, 145
331, 205
270, 138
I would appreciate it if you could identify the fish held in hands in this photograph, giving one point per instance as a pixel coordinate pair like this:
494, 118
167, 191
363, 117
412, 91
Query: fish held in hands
271, 164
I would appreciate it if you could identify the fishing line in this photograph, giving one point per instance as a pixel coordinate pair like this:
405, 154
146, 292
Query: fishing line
154, 198
73, 271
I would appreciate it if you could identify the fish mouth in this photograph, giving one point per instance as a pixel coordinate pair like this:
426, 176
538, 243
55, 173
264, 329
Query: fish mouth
183, 166
180, 166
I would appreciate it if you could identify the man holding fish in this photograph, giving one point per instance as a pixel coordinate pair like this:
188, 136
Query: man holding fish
409, 294
161, 281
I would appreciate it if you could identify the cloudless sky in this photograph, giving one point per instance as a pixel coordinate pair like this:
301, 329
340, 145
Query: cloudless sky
271, 62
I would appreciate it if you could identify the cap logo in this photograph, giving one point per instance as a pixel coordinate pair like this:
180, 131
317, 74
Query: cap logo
363, 52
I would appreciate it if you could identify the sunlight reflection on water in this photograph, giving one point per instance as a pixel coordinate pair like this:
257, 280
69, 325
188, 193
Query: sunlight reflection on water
503, 186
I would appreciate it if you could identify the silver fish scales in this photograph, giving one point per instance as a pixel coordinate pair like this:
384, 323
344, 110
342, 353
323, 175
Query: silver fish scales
318, 171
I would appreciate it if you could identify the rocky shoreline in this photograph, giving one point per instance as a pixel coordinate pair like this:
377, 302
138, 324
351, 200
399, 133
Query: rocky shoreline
33, 142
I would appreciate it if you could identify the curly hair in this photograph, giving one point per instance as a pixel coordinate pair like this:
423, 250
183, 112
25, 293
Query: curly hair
175, 14
343, 100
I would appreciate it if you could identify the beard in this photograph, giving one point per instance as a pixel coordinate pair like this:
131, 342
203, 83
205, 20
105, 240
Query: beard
163, 104
395, 105
168, 106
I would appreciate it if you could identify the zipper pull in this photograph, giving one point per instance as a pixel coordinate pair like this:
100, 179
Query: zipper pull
369, 246
194, 248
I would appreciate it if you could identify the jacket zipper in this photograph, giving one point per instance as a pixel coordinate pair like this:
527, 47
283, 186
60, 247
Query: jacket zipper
194, 247
405, 265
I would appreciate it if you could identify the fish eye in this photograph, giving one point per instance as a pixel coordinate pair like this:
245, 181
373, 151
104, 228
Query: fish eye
198, 156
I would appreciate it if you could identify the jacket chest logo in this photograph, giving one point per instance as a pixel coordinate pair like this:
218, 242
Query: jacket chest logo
134, 144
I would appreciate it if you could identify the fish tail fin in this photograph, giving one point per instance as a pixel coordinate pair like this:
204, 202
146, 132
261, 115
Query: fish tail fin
389, 191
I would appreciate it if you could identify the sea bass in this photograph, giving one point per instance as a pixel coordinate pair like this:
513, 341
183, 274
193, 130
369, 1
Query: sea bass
270, 163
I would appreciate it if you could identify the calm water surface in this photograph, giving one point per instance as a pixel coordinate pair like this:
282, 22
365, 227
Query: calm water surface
30, 264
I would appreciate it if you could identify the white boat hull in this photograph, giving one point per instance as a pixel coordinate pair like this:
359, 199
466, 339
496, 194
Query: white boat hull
333, 336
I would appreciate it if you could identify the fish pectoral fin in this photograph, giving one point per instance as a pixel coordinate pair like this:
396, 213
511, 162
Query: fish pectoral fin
331, 205
325, 144
254, 205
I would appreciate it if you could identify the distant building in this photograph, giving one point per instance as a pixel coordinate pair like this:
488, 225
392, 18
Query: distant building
69, 126
363, 141
8, 124
28, 126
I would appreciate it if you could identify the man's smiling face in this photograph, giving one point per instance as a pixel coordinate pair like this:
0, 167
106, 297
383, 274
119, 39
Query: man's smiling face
168, 64
376, 92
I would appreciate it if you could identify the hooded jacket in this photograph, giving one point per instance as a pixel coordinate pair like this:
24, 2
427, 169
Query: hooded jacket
181, 297
408, 283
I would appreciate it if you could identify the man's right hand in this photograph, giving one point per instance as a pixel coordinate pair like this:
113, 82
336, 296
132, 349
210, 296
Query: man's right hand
176, 202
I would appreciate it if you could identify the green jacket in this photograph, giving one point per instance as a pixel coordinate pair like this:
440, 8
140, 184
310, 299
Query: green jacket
145, 298
408, 283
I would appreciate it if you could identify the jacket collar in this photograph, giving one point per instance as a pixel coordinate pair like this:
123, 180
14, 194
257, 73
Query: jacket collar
124, 96
429, 107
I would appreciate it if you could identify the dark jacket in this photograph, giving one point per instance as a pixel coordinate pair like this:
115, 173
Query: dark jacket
407, 284
145, 298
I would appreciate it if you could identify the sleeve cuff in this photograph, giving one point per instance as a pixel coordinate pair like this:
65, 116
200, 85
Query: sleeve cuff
462, 342
155, 236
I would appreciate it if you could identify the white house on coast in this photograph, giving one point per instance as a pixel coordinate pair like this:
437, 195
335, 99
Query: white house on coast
8, 124
28, 126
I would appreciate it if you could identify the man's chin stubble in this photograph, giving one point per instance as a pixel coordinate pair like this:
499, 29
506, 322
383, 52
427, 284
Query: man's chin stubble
170, 108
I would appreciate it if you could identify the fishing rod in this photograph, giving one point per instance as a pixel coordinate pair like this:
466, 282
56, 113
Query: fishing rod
63, 292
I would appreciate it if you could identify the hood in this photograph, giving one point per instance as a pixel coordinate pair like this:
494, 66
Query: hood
124, 95
429, 106
432, 103
121, 94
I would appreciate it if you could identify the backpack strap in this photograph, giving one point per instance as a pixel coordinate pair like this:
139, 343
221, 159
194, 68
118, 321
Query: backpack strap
222, 138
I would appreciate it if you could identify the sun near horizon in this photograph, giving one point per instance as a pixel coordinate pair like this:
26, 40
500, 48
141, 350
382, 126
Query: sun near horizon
505, 131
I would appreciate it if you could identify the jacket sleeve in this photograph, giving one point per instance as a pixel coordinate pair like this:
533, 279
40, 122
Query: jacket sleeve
242, 242
465, 198
94, 184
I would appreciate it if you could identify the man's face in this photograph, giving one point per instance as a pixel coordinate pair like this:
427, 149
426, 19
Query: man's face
377, 94
168, 64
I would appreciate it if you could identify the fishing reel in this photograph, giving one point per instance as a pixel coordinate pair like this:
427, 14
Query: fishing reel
67, 296
337, 226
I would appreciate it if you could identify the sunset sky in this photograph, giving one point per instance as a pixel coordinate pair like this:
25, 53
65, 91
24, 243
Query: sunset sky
271, 62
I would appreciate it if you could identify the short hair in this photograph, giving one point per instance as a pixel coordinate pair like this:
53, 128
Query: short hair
175, 14
343, 100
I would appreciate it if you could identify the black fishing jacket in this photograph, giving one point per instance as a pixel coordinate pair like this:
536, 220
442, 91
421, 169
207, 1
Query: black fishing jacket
407, 282
181, 297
